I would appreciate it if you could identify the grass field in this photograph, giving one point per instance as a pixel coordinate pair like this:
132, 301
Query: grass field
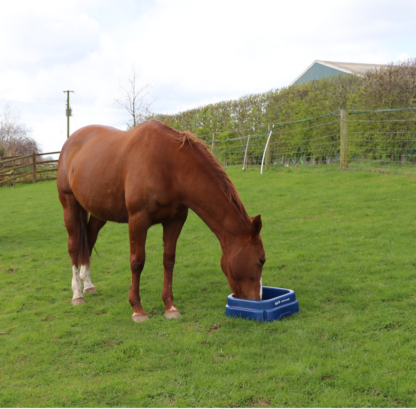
345, 242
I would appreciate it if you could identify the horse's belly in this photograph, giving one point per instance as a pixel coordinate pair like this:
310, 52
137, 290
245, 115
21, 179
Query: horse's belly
111, 208
102, 197
112, 213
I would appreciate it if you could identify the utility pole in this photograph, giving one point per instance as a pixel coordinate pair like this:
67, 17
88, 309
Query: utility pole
68, 113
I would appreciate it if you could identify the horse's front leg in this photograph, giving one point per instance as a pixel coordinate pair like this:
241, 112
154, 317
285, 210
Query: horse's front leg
138, 226
171, 231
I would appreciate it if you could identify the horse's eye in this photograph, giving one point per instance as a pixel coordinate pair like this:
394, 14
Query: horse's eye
262, 261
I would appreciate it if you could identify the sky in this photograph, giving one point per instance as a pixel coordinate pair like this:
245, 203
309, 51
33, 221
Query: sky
191, 52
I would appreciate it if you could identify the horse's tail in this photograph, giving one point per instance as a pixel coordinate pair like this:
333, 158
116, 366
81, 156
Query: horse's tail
84, 251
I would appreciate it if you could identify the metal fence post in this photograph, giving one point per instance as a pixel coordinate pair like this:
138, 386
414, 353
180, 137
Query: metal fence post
265, 150
213, 144
245, 161
344, 139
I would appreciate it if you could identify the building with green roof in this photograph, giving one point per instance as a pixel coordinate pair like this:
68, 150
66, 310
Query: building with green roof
323, 69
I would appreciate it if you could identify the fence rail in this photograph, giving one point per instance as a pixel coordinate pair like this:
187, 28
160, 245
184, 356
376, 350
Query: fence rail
15, 170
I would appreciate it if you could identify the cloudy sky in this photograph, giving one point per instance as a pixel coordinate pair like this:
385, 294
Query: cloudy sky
193, 52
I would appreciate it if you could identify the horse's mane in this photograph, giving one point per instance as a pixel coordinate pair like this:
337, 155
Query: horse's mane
189, 139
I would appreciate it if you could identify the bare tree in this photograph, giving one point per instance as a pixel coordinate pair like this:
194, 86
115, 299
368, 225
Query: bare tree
135, 99
14, 135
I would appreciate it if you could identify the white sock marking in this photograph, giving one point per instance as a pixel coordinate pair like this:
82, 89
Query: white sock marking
85, 276
76, 284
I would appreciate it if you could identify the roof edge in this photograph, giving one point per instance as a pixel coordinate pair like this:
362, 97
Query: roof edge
303, 72
331, 65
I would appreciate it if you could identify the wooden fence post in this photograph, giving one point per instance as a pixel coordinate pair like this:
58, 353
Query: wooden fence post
34, 168
12, 173
213, 144
344, 140
269, 128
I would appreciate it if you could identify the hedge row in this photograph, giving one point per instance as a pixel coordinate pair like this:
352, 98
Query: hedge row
391, 87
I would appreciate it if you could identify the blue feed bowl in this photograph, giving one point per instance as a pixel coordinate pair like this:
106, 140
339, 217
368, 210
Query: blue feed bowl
276, 304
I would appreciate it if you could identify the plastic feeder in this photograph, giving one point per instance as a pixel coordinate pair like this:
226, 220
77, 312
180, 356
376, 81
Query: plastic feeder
276, 304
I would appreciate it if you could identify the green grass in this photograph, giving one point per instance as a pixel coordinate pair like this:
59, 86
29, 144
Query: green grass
345, 242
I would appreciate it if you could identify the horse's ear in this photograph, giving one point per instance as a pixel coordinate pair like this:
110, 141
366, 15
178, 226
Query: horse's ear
256, 225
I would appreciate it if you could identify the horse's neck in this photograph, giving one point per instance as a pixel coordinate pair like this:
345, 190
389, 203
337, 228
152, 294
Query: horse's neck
209, 201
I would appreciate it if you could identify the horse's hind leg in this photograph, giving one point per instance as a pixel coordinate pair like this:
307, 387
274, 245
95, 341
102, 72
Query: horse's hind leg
171, 231
75, 218
94, 226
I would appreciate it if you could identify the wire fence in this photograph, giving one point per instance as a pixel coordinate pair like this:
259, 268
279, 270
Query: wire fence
383, 141
373, 143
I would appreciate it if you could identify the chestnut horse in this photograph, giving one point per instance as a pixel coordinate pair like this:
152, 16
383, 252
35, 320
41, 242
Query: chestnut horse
148, 175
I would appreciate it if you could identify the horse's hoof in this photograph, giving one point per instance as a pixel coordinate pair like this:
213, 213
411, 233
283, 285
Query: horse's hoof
78, 301
91, 290
172, 314
139, 318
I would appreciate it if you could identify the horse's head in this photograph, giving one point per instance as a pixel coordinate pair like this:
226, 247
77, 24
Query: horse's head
243, 261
